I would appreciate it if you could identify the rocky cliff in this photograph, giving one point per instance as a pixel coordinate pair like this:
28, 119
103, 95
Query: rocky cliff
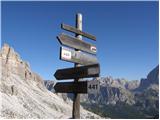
152, 79
24, 95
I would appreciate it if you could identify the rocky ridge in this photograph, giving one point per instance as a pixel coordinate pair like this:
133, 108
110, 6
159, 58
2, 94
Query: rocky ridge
152, 79
112, 91
139, 98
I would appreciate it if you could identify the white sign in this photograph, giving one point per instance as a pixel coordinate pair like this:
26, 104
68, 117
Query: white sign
93, 48
65, 54
93, 87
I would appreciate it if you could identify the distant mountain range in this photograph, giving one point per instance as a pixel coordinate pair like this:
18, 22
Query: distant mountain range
24, 95
126, 99
120, 98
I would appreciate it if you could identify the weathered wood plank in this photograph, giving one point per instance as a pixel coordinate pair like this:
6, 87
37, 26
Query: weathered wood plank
78, 72
76, 43
82, 58
74, 30
71, 87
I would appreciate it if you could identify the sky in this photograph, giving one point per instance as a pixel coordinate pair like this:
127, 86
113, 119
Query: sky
126, 32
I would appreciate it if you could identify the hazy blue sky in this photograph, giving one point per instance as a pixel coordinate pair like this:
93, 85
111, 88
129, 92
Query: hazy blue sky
127, 34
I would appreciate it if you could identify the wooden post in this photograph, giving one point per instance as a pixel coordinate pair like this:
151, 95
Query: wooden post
76, 99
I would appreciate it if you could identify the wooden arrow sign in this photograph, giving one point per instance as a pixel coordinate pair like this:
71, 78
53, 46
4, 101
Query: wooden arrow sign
74, 30
71, 87
82, 58
76, 43
78, 72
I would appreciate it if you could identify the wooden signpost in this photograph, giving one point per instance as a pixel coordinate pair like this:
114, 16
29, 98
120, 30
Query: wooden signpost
83, 54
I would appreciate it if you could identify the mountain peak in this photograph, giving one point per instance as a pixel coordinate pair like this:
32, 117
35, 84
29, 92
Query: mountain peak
14, 64
152, 78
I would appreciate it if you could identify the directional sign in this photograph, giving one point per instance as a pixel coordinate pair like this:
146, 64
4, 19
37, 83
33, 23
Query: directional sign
78, 72
71, 87
82, 58
74, 30
93, 86
76, 43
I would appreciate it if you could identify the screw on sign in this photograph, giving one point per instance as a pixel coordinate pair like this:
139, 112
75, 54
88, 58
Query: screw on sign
82, 53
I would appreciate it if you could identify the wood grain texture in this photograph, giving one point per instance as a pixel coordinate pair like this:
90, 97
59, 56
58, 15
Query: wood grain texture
77, 56
76, 43
78, 72
74, 30
71, 87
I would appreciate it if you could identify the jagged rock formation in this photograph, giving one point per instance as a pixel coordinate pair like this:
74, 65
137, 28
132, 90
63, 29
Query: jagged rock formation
49, 85
113, 91
140, 99
152, 78
24, 95
119, 83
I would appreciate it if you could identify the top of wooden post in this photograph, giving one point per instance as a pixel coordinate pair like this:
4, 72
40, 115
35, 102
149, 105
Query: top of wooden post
79, 23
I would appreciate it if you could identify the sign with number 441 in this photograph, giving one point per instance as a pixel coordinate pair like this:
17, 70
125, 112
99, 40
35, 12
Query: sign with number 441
93, 86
